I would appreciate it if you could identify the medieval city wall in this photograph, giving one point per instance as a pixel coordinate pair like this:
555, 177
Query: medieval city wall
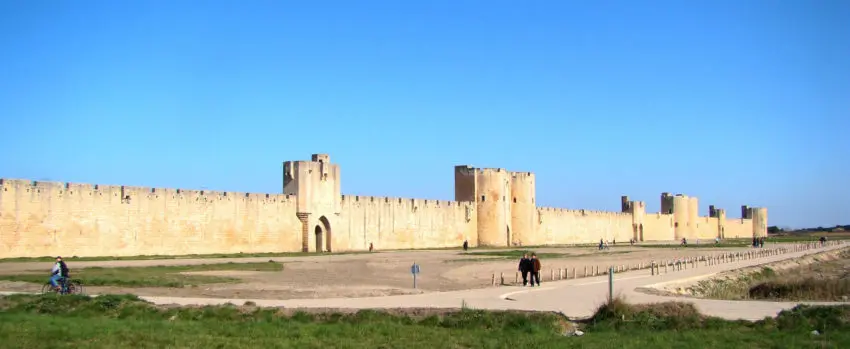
658, 227
52, 218
398, 223
566, 226
738, 228
705, 228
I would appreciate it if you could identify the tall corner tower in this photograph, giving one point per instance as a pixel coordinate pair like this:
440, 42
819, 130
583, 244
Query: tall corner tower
721, 222
680, 207
490, 189
523, 208
759, 216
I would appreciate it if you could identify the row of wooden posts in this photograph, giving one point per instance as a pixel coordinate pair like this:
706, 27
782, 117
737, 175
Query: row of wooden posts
672, 264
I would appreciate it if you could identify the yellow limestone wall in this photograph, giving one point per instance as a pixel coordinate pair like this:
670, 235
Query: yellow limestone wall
395, 223
494, 207
658, 227
79, 220
562, 226
50, 218
738, 228
706, 228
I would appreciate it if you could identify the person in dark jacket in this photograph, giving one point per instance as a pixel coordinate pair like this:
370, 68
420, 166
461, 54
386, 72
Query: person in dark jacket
535, 269
524, 268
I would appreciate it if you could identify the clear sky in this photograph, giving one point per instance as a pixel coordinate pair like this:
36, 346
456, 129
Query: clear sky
735, 102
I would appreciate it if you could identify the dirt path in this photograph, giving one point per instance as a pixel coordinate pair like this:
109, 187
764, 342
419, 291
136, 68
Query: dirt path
366, 275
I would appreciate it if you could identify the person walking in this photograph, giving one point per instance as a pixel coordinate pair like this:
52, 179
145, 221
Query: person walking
535, 269
524, 268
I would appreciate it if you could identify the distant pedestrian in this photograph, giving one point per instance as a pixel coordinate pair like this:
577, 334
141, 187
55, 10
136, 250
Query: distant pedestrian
371, 247
524, 268
535, 269
465, 245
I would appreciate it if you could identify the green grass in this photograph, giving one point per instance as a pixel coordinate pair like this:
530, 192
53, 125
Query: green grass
186, 256
51, 321
154, 276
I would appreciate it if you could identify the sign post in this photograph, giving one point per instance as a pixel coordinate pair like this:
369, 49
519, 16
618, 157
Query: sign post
414, 269
610, 285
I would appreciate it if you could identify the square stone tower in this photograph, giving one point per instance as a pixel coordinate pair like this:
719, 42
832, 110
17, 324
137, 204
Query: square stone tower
316, 186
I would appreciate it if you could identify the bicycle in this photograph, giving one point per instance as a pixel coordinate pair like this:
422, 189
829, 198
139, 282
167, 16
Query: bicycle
67, 286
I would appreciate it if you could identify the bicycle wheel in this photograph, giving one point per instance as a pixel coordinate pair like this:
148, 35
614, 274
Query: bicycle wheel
47, 288
75, 287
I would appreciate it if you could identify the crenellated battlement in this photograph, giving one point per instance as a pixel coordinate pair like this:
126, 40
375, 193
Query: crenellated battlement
522, 175
397, 201
484, 170
582, 212
129, 193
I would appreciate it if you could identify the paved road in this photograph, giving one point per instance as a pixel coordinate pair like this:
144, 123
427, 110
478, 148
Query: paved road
575, 298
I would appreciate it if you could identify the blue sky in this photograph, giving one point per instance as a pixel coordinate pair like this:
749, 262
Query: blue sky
735, 102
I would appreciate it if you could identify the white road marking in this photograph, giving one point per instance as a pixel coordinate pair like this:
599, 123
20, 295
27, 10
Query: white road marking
506, 295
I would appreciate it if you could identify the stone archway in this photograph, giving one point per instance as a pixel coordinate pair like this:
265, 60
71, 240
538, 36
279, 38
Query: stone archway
319, 234
323, 236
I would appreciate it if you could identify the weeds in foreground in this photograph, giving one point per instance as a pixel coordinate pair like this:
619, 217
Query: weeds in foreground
619, 315
815, 282
115, 321
154, 276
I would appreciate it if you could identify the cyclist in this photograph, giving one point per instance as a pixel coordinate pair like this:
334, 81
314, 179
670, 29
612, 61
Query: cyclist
59, 272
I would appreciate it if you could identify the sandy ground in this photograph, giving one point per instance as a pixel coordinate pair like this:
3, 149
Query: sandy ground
362, 275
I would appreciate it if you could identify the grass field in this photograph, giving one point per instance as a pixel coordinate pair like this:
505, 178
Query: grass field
155, 276
51, 321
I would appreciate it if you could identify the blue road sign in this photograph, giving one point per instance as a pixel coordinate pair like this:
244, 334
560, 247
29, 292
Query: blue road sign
414, 269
